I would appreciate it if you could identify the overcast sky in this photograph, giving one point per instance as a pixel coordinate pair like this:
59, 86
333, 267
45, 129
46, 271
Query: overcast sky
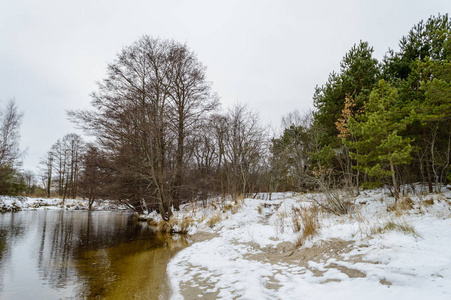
268, 54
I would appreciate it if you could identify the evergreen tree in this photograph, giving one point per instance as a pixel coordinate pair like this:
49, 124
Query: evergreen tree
379, 145
359, 72
430, 39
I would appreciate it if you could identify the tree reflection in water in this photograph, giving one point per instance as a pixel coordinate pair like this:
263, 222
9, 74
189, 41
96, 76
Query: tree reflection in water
84, 254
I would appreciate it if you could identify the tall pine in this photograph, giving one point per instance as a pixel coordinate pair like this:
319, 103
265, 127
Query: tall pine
378, 144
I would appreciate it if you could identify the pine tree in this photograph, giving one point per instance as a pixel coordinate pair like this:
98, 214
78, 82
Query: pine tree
359, 73
378, 144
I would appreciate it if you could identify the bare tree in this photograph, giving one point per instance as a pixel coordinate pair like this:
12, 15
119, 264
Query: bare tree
190, 98
46, 171
244, 147
61, 166
153, 96
10, 119
29, 179
60, 160
93, 175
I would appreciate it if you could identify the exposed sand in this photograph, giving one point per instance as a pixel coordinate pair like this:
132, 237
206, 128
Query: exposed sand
284, 253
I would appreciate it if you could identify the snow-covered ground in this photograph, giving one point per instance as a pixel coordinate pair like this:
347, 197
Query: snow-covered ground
375, 252
8, 204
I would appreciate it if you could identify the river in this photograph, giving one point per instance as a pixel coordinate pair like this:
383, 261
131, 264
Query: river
59, 254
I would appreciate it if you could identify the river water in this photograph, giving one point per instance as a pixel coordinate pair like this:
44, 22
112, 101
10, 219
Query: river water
82, 255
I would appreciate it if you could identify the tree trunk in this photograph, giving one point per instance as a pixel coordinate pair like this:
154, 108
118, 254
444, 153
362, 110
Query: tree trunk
428, 164
395, 184
49, 183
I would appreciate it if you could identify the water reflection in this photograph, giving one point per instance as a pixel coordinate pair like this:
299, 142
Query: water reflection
65, 254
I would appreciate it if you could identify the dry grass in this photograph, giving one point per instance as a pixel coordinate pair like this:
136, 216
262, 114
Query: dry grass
184, 224
239, 197
151, 222
279, 221
164, 226
405, 203
214, 219
306, 221
263, 206
428, 202
369, 229
174, 225
402, 206
233, 207
400, 226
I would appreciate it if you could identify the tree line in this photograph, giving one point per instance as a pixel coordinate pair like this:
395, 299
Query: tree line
162, 139
376, 122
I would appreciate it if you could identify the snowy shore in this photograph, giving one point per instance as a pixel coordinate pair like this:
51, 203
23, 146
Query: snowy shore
375, 252
250, 249
13, 204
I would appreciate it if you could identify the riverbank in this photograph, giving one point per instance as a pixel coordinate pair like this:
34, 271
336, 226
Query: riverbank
20, 203
258, 250
287, 248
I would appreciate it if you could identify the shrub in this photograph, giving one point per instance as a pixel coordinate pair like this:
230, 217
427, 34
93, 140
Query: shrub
334, 202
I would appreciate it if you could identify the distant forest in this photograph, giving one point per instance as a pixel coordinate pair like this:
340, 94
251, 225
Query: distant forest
162, 140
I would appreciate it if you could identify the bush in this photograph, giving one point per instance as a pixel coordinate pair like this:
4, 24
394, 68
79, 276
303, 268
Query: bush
334, 202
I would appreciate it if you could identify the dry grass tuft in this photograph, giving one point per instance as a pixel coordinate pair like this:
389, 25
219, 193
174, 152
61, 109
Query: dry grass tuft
306, 221
239, 198
214, 219
152, 222
174, 225
233, 207
428, 202
400, 226
279, 221
182, 225
164, 227
406, 203
402, 206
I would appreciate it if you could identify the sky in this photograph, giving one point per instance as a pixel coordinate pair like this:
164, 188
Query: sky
269, 55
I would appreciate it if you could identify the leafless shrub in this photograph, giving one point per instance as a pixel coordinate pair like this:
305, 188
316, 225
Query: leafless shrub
333, 201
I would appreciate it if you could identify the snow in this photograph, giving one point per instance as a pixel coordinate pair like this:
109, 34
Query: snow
27, 203
378, 263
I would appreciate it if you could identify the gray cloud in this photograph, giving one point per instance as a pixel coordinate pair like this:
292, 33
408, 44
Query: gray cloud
269, 54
